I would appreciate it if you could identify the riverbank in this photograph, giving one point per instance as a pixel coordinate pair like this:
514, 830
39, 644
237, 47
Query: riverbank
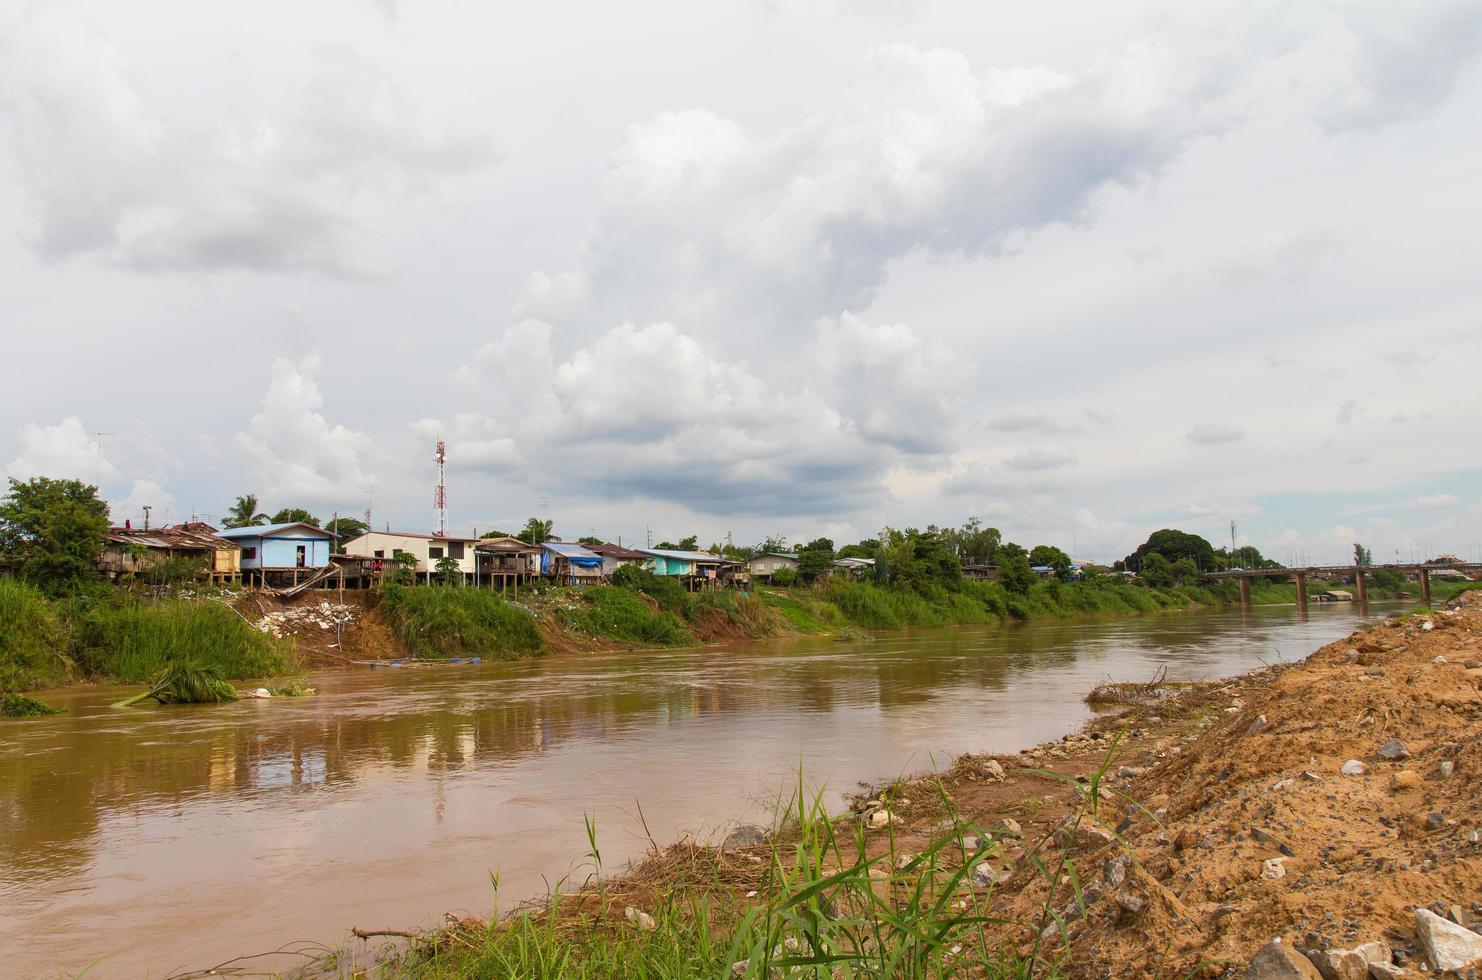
1176, 839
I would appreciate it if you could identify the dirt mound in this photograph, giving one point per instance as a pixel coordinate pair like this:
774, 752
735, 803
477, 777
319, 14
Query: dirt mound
1244, 826
328, 630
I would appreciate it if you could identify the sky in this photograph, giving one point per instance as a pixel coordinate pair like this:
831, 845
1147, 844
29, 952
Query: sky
755, 268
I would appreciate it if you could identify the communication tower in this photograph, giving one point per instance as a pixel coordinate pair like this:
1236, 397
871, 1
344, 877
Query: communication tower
440, 493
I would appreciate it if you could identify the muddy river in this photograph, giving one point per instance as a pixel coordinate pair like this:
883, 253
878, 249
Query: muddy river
154, 840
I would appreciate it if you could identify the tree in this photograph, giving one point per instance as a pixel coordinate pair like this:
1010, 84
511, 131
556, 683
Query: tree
589, 540
773, 545
53, 532
976, 544
1173, 545
403, 567
1015, 575
447, 571
1156, 571
815, 559
345, 530
1362, 556
537, 531
1053, 557
1185, 572
244, 513
294, 515
691, 543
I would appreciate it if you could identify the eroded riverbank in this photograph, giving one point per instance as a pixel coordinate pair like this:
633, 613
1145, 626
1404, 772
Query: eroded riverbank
389, 797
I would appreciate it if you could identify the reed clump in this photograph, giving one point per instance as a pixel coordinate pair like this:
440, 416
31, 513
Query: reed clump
32, 639
440, 622
622, 614
133, 641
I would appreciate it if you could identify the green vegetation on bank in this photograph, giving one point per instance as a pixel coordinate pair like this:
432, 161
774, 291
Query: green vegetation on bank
117, 635
439, 622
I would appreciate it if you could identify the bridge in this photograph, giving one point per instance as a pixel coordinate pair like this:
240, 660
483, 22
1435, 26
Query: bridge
1360, 575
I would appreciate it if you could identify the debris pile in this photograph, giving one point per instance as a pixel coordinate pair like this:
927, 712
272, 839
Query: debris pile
325, 616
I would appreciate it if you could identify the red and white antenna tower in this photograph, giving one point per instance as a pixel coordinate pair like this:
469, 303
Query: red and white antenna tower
440, 493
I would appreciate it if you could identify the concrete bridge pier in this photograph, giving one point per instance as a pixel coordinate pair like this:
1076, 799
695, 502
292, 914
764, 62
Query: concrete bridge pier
1425, 587
1301, 592
1361, 580
1245, 593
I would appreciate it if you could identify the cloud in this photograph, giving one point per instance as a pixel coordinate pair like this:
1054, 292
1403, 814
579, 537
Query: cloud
1409, 358
1347, 411
921, 152
292, 455
1040, 459
66, 450
1406, 62
1016, 422
1434, 501
1210, 433
109, 176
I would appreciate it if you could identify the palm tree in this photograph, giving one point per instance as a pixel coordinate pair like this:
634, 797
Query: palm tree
538, 531
244, 513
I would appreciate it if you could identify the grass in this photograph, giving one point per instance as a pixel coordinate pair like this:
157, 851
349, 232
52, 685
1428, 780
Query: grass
821, 899
21, 706
132, 641
622, 614
32, 639
437, 622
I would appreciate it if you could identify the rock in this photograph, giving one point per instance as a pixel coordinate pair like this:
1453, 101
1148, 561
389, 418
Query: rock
879, 818
1435, 821
972, 844
1130, 901
1446, 768
1012, 826
1271, 840
1257, 725
640, 918
1275, 961
993, 770
1473, 664
1374, 672
1447, 945
1373, 952
1353, 767
1313, 777
1404, 780
903, 860
1273, 868
1393, 750
739, 968
1340, 964
746, 835
1388, 971
1115, 869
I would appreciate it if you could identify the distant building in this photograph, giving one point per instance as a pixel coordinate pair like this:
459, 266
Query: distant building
980, 573
698, 568
857, 569
762, 567
427, 549
570, 564
505, 561
615, 556
133, 551
281, 552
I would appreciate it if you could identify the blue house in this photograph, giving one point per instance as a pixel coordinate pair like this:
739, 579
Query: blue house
281, 550
570, 563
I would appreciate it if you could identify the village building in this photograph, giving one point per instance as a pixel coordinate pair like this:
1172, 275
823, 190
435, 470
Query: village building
615, 556
856, 569
281, 553
762, 567
698, 569
427, 549
134, 551
570, 564
505, 562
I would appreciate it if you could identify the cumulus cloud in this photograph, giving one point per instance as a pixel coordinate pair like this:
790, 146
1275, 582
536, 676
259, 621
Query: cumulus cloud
66, 450
921, 152
109, 176
1016, 422
1211, 433
1405, 62
292, 453
1040, 459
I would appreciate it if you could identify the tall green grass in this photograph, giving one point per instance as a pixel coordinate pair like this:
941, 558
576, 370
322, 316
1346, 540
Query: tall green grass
32, 639
132, 641
441, 622
622, 614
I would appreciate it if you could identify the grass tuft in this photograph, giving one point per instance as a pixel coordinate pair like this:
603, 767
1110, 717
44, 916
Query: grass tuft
436, 622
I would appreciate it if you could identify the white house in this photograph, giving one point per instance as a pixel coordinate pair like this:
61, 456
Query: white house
428, 549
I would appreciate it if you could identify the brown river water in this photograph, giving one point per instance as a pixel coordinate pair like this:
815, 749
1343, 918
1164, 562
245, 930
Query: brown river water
154, 840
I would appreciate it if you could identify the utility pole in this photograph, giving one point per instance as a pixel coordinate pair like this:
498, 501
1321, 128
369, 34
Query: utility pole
147, 509
98, 465
370, 499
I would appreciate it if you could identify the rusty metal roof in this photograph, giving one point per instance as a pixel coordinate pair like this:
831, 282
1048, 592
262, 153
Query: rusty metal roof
177, 537
617, 551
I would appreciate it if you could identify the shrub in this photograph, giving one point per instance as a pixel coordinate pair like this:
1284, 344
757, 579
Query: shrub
665, 590
619, 613
440, 623
20, 706
31, 639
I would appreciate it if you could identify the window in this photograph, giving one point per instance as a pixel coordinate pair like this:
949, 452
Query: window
434, 552
249, 553
381, 553
455, 549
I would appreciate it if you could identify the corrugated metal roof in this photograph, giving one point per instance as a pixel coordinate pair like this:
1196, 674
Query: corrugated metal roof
567, 549
418, 534
682, 555
616, 551
170, 536
261, 530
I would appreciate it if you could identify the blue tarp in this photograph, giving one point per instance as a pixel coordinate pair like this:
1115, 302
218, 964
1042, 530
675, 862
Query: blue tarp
573, 553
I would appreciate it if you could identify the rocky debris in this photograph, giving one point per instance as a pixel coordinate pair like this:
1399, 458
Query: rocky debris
1130, 900
877, 819
1404, 781
903, 860
1446, 768
1447, 945
1277, 961
1353, 767
1271, 840
289, 620
1115, 870
1393, 750
746, 835
1339, 964
1273, 868
993, 769
640, 918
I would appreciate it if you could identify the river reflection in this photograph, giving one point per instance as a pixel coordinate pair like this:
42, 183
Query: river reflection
172, 837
